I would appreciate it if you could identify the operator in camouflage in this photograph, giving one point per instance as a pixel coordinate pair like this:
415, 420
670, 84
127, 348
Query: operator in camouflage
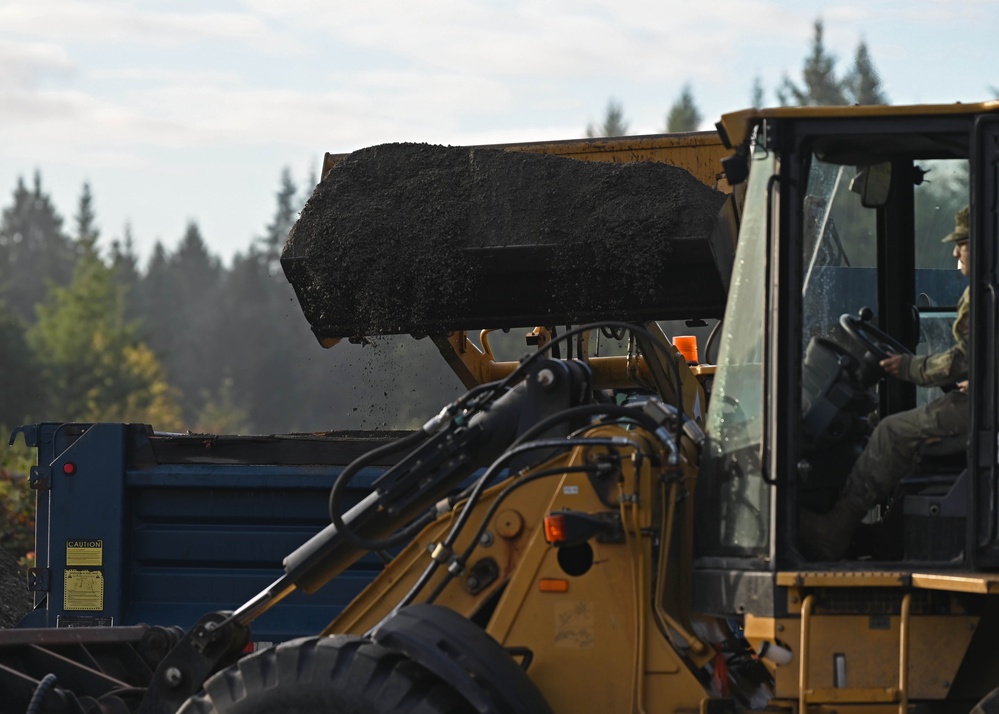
893, 449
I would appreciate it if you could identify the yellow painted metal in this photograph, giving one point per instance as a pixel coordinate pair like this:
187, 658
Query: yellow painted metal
474, 366
919, 653
979, 583
738, 125
597, 646
841, 579
699, 152
903, 654
805, 647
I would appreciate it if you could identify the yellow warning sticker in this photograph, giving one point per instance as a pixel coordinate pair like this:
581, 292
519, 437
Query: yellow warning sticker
84, 590
84, 552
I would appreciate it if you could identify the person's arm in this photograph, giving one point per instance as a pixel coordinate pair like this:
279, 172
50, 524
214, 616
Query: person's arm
934, 370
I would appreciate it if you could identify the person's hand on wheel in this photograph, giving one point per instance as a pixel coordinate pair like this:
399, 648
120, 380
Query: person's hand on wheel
891, 364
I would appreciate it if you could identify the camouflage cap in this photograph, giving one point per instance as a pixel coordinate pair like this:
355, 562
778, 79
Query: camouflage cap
961, 231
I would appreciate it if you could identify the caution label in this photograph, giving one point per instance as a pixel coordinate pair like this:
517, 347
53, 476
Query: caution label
83, 590
84, 552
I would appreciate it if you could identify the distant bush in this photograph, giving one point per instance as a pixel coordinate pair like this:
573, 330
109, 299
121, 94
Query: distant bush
17, 503
17, 517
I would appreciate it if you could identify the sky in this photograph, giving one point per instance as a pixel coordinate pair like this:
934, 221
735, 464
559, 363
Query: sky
189, 110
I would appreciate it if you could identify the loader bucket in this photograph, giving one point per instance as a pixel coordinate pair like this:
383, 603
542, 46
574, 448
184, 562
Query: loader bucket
421, 239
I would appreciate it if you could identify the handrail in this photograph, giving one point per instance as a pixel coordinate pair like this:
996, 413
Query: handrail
806, 616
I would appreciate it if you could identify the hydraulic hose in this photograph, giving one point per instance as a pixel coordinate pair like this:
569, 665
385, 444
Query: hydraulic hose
38, 696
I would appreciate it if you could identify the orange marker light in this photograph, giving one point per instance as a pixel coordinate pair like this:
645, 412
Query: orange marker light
687, 346
554, 528
553, 585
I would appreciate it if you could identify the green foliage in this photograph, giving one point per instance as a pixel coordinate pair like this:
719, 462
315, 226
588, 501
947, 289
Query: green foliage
94, 365
613, 124
17, 501
684, 114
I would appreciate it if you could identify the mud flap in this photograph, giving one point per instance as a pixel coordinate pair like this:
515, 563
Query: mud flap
463, 655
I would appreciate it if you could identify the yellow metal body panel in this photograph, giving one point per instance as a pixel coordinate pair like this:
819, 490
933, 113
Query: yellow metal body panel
921, 651
596, 646
871, 655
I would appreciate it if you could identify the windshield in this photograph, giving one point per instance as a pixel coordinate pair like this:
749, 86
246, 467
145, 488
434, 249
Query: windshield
731, 477
839, 234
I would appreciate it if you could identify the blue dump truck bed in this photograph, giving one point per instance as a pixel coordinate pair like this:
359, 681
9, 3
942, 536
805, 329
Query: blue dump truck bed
136, 527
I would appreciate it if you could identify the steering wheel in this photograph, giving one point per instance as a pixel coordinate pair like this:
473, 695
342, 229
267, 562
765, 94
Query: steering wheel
877, 342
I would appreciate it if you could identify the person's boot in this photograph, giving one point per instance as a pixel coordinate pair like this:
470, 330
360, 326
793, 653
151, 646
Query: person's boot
826, 536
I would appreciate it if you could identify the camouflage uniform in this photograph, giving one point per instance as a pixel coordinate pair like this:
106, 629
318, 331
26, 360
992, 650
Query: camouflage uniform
893, 450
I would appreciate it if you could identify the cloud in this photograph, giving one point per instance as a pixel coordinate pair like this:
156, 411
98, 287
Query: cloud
103, 21
26, 64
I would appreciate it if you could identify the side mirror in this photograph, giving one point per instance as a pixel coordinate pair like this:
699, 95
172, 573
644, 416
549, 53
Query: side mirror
873, 183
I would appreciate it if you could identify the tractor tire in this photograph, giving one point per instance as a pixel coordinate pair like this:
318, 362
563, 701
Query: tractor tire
326, 675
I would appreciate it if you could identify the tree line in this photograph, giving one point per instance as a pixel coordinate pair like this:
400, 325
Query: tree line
184, 342
821, 84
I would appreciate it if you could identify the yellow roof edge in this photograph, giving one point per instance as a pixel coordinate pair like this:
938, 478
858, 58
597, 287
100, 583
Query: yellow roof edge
739, 124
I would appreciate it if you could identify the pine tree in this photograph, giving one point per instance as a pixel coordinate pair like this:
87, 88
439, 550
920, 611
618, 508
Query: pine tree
820, 86
86, 231
186, 327
125, 263
310, 185
613, 125
277, 230
863, 83
683, 115
34, 251
756, 98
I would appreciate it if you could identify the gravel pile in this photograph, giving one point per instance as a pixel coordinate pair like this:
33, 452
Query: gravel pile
15, 600
416, 237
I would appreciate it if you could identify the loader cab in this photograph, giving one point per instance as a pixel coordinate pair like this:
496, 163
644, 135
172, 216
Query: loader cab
844, 214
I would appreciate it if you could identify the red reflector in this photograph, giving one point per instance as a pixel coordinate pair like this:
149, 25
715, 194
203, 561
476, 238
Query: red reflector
553, 585
555, 528
69, 468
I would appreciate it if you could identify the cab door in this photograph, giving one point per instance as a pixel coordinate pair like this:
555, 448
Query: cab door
985, 342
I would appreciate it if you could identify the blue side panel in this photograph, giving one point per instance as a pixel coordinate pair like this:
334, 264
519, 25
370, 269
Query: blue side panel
175, 540
209, 538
